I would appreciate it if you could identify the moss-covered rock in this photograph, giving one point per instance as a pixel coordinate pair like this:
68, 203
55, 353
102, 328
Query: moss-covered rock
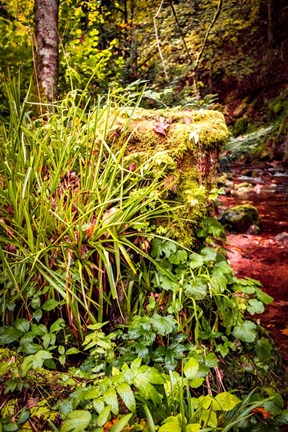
241, 218
185, 145
240, 127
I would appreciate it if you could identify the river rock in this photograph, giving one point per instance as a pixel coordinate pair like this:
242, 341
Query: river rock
241, 218
282, 238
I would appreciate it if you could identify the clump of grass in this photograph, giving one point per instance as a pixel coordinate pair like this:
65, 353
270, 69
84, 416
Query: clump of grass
74, 213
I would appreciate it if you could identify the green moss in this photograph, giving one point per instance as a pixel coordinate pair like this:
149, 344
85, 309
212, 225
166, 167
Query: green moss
185, 145
240, 218
276, 106
240, 126
175, 129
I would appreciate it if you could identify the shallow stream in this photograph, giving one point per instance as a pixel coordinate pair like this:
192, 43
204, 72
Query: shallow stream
263, 256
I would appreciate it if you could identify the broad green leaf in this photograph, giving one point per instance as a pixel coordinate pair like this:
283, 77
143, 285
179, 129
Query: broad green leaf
195, 427
244, 289
219, 282
76, 421
245, 331
104, 416
9, 335
37, 315
273, 408
224, 268
146, 390
22, 324
4, 367
211, 360
62, 359
263, 349
168, 248
263, 297
97, 326
65, 407
38, 329
255, 307
110, 398
195, 261
117, 427
153, 376
204, 401
50, 305
10, 427
163, 325
24, 415
61, 349
49, 339
191, 368
179, 258
127, 395
196, 289
98, 404
170, 427
196, 382
136, 363
71, 351
225, 401
208, 254
92, 393
57, 325
209, 418
31, 348
165, 283
35, 361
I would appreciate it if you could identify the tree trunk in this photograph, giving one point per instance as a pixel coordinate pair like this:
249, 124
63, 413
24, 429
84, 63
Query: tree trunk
46, 50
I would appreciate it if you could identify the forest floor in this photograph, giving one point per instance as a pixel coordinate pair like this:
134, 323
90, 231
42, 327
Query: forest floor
264, 257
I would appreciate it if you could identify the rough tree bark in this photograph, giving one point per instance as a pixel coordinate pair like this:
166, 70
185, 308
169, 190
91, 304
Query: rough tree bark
46, 47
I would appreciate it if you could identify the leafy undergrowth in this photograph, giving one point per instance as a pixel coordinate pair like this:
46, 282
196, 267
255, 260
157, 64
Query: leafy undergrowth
108, 324
168, 369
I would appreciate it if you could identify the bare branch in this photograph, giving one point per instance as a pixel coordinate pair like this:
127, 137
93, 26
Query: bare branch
216, 16
180, 32
157, 39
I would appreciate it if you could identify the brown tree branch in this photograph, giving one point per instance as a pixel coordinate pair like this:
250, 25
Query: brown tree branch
157, 39
180, 32
216, 16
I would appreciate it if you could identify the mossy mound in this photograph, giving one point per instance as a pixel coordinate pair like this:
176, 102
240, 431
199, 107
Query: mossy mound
240, 218
185, 145
172, 129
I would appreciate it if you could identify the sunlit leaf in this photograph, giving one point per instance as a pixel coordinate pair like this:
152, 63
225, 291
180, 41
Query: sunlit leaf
76, 421
22, 324
163, 325
191, 368
110, 398
9, 335
120, 424
255, 307
50, 305
104, 416
225, 401
195, 261
246, 331
127, 395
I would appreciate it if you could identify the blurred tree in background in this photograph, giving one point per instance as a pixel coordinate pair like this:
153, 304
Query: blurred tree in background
109, 42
